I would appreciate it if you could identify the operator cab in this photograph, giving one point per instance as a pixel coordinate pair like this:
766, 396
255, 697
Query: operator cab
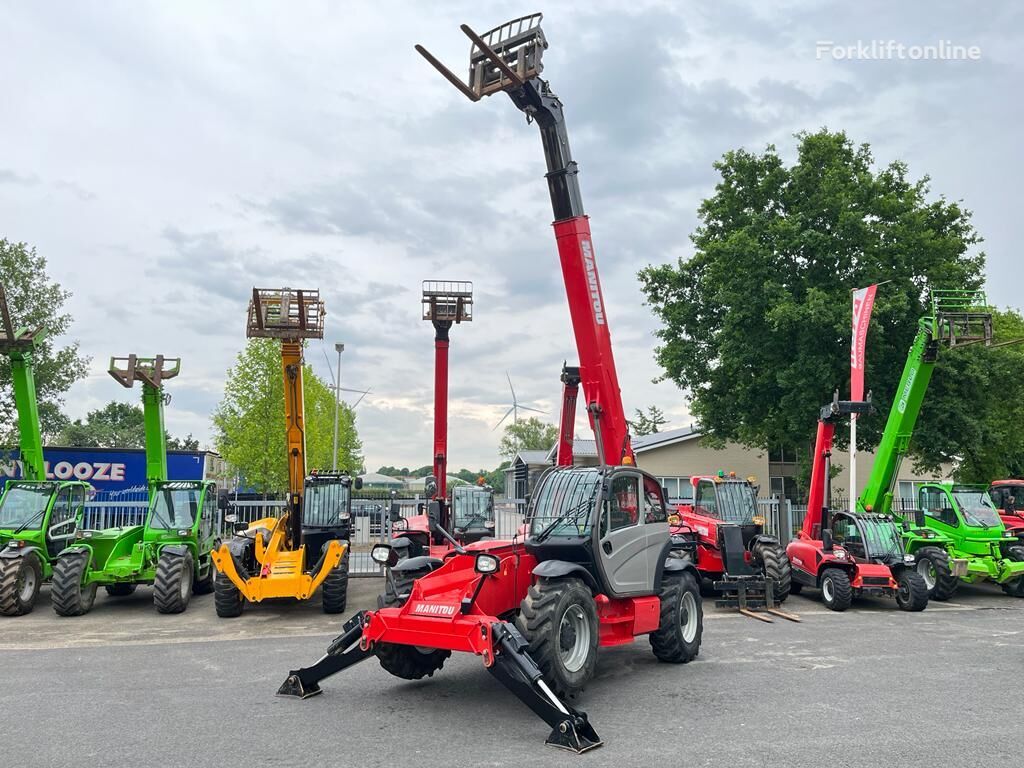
869, 538
730, 500
612, 521
28, 506
326, 510
472, 513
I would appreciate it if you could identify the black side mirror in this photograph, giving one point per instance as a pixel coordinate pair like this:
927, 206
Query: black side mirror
430, 487
223, 499
434, 513
358, 483
395, 512
664, 492
919, 518
826, 540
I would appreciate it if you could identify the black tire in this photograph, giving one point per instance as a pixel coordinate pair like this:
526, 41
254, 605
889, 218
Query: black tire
836, 592
677, 638
933, 565
777, 568
565, 653
120, 590
172, 587
405, 661
20, 579
335, 587
911, 591
227, 598
67, 594
1015, 588
795, 587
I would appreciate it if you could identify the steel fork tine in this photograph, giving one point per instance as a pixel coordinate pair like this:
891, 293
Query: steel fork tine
448, 74
495, 58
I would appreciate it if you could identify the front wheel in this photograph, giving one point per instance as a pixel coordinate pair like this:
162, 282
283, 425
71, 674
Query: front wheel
172, 587
677, 638
1015, 588
559, 620
20, 578
933, 565
836, 592
335, 588
776, 567
69, 595
227, 598
911, 591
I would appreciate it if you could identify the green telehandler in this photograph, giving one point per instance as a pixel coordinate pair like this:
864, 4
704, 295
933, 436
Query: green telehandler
954, 533
171, 550
37, 516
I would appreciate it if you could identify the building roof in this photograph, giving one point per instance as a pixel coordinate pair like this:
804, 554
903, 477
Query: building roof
580, 447
375, 478
532, 457
419, 482
661, 439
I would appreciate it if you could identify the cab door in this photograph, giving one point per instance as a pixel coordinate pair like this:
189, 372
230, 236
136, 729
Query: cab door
622, 537
66, 506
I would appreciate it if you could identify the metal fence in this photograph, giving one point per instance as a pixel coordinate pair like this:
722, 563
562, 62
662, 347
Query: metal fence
116, 509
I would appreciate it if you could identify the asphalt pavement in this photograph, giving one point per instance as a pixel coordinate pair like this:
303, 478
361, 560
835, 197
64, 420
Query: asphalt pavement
125, 686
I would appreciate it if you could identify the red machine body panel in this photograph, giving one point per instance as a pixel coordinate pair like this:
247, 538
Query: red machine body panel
1012, 519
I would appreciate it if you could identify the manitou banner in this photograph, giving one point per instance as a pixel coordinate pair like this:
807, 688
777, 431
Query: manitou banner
863, 303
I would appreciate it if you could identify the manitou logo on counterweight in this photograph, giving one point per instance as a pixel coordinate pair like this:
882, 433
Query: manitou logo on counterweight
595, 290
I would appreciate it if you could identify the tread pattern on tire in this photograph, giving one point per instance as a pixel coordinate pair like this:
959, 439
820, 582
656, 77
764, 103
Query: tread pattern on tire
842, 592
536, 623
918, 591
10, 569
170, 570
776, 567
666, 641
334, 591
66, 593
227, 598
945, 582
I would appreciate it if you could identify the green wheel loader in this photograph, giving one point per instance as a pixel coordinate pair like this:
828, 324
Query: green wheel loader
38, 517
171, 550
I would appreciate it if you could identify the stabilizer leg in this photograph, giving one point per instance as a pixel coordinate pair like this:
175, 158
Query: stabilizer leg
343, 652
514, 668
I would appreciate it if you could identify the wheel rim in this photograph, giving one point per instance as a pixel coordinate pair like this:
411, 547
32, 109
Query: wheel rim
574, 638
927, 571
26, 584
903, 593
827, 590
688, 617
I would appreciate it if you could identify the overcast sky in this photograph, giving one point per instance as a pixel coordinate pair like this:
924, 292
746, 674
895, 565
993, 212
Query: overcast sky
167, 156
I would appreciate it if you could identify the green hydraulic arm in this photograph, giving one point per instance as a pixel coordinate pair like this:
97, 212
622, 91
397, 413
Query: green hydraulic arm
19, 344
958, 318
152, 372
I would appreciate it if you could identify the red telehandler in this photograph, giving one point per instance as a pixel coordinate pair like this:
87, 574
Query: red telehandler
1009, 498
597, 567
849, 554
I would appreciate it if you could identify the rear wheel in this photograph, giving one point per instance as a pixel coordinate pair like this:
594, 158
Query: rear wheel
20, 578
911, 591
407, 661
227, 598
120, 590
933, 565
335, 587
1015, 588
70, 597
172, 588
836, 592
677, 638
559, 619
776, 568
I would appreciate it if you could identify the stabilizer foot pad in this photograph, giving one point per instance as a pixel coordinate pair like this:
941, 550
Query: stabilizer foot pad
293, 687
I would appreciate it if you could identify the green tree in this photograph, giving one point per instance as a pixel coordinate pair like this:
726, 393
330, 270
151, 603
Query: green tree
530, 434
249, 426
116, 425
36, 301
647, 422
756, 325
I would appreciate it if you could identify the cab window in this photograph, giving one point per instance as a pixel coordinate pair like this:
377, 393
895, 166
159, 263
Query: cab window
706, 500
654, 505
935, 503
622, 508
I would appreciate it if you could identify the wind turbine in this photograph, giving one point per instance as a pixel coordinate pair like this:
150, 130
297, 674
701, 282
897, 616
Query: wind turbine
516, 407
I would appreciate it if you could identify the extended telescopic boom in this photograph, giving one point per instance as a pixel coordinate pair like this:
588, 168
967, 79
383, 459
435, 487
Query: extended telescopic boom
508, 58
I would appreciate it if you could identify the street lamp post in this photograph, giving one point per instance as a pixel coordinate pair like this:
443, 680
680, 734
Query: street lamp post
339, 348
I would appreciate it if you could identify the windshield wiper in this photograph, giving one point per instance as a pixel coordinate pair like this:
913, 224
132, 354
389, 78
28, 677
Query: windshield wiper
561, 519
30, 521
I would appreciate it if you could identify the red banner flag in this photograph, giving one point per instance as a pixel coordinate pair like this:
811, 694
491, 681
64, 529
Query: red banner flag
863, 303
